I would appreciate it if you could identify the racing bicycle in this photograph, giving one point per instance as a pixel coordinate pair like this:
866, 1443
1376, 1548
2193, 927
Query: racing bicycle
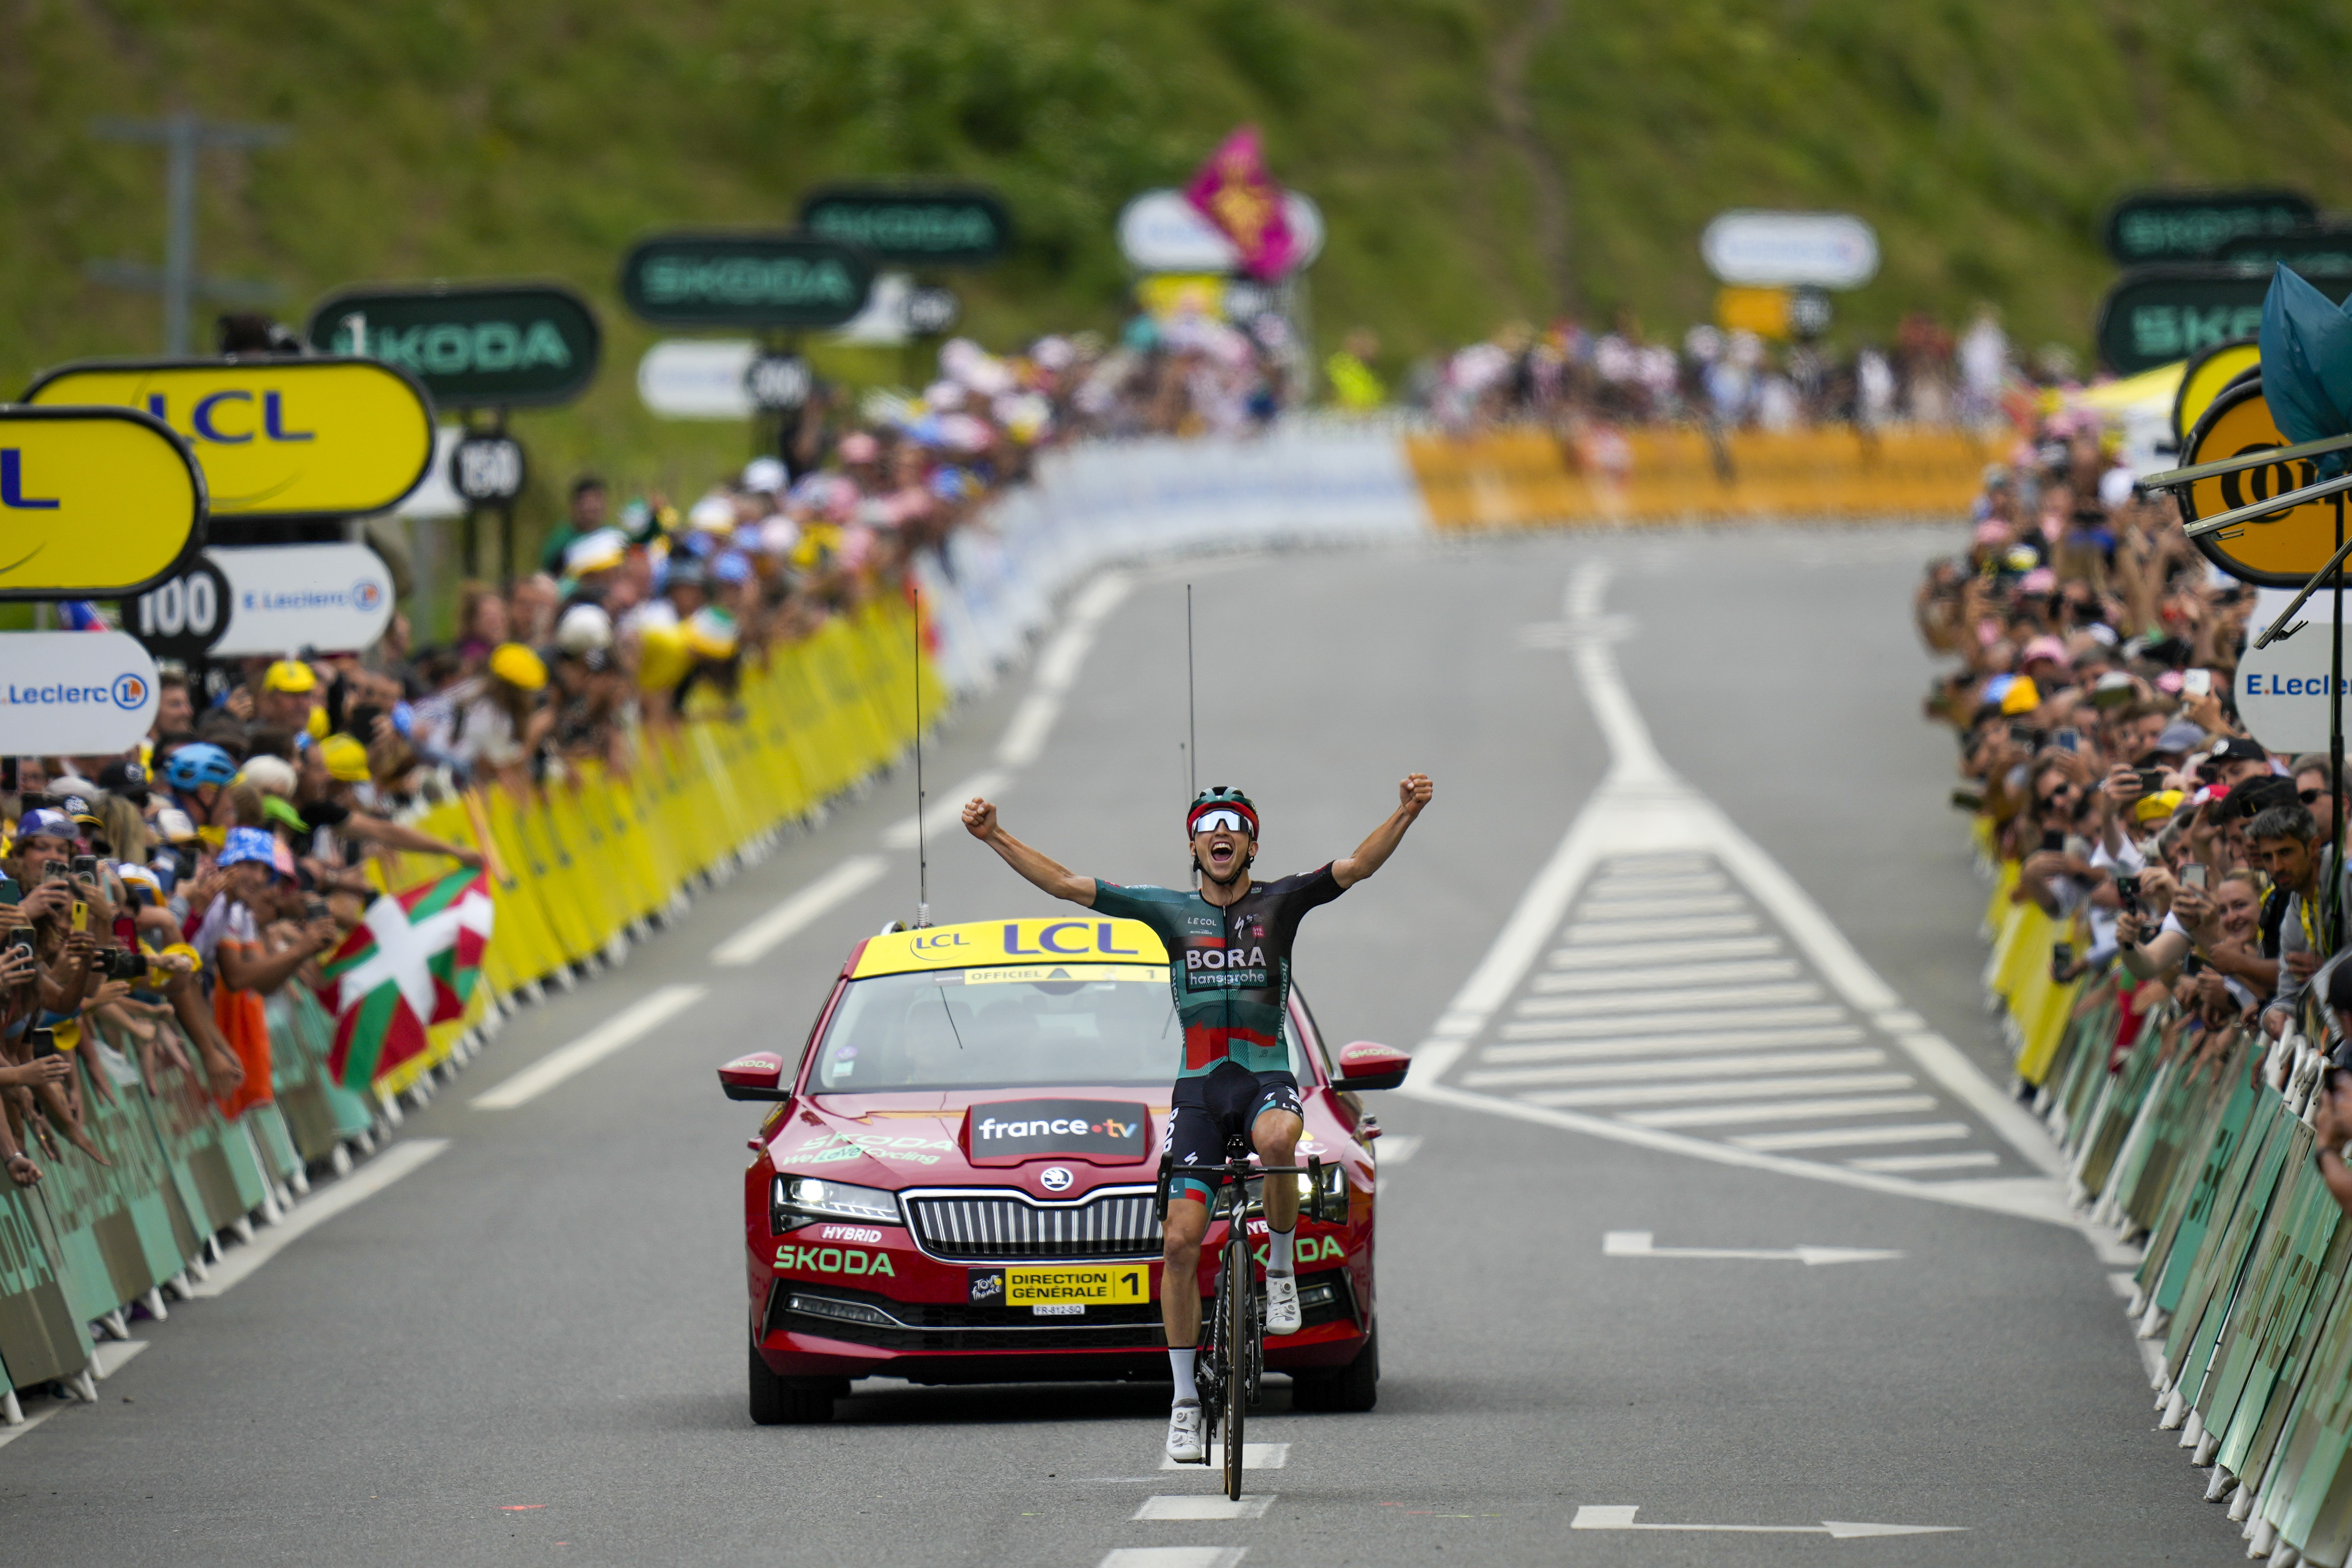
1232, 1330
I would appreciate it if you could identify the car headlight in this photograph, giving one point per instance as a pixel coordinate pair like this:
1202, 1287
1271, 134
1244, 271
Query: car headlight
803, 1200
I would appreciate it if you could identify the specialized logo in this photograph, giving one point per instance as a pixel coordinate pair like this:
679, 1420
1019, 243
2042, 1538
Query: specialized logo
1014, 1129
835, 1260
1055, 1179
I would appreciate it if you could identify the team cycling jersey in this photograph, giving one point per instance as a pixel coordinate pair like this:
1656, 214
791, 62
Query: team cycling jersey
1229, 968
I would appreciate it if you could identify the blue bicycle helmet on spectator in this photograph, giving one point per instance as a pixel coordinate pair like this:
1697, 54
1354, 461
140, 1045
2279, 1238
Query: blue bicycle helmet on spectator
201, 763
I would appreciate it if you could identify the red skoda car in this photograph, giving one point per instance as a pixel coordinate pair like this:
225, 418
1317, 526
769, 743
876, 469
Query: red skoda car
956, 1184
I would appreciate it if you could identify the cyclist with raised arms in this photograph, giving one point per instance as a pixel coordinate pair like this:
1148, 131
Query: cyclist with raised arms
1228, 946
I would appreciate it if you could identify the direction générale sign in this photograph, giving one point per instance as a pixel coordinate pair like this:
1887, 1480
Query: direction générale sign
2155, 315
94, 502
745, 281
2149, 226
944, 228
2278, 550
275, 437
491, 345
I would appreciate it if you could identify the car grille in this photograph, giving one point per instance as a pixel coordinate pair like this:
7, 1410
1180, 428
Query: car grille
1001, 1227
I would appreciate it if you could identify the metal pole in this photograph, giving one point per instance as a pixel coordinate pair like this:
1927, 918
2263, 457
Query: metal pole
179, 229
2331, 902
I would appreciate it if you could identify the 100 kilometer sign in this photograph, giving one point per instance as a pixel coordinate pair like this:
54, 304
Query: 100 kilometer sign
745, 281
490, 346
94, 503
288, 437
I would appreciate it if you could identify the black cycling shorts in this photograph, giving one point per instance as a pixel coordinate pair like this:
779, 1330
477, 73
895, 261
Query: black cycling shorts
1217, 1105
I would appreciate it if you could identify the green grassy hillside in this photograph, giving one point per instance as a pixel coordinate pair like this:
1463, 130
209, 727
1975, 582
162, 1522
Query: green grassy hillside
539, 137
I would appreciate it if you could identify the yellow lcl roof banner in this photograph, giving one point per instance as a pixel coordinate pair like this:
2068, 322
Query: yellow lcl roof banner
1078, 940
95, 503
275, 438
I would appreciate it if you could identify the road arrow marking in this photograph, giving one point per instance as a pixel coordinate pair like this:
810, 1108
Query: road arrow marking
1590, 1517
1639, 1244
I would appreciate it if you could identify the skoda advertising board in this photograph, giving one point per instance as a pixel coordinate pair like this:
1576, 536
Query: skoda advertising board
75, 693
501, 345
2150, 227
2156, 315
94, 502
911, 228
275, 438
283, 598
745, 281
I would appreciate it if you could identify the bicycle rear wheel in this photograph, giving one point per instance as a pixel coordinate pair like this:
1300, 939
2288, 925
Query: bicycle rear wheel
1237, 1318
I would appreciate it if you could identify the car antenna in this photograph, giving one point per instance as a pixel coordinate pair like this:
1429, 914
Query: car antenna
923, 854
1192, 748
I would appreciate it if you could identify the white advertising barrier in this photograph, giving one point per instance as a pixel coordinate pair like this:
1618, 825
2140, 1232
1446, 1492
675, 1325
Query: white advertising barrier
2283, 688
74, 693
284, 599
1305, 482
697, 378
1827, 250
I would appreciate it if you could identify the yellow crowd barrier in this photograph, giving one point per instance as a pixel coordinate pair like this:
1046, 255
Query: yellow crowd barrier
1537, 478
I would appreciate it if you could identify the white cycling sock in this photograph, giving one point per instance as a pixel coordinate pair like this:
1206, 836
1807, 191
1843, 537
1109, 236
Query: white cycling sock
1277, 1251
1180, 1362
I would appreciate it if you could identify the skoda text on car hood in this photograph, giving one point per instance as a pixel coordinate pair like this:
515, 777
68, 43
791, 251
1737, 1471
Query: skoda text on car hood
957, 1184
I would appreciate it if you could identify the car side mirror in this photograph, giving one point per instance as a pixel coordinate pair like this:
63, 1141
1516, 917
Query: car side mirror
755, 1077
1365, 1064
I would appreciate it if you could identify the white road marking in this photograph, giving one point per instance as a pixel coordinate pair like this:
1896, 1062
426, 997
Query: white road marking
947, 815
1668, 1024
1658, 954
110, 1356
1598, 908
1645, 1070
1024, 735
1255, 1457
1057, 669
239, 1264
1854, 1137
1799, 1110
1174, 1557
1659, 1001
1590, 1517
1642, 1244
1668, 1093
1704, 1040
1644, 930
788, 919
1648, 984
617, 1033
1395, 1148
1896, 1164
1196, 1507
1613, 886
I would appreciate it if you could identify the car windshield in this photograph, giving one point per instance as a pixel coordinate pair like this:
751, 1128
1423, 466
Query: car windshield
1005, 1028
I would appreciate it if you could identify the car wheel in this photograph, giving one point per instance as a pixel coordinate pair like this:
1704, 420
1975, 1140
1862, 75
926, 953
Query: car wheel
1355, 1386
788, 1402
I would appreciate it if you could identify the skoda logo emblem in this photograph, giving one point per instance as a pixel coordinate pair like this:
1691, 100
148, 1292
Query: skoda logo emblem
1055, 1179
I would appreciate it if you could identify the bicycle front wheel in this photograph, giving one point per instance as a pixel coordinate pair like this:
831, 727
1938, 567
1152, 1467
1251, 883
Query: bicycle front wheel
1240, 1318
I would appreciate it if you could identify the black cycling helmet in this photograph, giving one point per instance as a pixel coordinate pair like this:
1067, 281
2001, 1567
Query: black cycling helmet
1215, 797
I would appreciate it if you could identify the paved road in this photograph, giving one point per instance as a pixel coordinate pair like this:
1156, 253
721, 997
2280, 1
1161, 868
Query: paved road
529, 1349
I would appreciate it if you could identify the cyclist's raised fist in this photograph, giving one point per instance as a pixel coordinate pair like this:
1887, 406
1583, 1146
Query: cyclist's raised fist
979, 817
1415, 792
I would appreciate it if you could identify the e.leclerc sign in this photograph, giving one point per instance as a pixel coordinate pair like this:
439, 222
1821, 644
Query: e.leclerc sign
94, 502
486, 346
911, 228
2155, 315
79, 694
745, 281
275, 438
2150, 227
283, 598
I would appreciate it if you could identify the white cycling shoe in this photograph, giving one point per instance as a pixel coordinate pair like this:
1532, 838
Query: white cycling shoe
1184, 1434
1281, 1305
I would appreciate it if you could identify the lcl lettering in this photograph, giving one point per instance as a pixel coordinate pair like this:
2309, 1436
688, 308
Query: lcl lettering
205, 419
12, 484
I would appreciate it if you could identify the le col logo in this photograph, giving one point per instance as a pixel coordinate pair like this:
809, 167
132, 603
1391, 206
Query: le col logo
835, 1260
849, 1233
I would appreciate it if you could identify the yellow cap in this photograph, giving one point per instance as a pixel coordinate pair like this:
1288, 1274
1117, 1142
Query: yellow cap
315, 726
2023, 697
291, 675
518, 667
2153, 807
345, 758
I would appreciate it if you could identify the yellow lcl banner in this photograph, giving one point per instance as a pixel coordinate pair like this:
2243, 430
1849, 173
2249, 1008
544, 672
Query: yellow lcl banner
286, 437
94, 502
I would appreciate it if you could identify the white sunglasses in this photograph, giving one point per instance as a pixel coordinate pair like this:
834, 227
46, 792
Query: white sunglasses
1232, 821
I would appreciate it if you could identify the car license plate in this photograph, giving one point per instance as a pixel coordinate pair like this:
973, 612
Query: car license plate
1098, 1285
